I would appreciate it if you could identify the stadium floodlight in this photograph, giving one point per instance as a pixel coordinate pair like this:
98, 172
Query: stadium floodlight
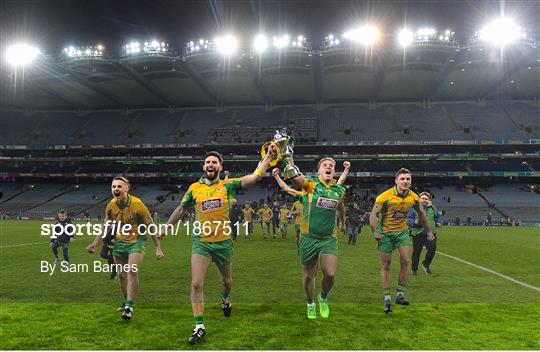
85, 52
261, 43
366, 35
226, 45
501, 31
405, 37
281, 42
133, 48
330, 41
155, 47
426, 33
300, 42
21, 54
149, 47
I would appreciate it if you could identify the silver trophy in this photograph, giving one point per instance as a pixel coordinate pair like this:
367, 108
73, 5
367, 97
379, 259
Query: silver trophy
284, 145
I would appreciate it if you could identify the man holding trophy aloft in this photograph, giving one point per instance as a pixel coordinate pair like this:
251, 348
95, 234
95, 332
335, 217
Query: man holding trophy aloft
322, 200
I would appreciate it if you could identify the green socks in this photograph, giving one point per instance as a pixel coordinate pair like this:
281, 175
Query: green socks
400, 289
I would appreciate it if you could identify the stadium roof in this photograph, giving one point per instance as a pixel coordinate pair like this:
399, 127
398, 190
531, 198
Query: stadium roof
118, 76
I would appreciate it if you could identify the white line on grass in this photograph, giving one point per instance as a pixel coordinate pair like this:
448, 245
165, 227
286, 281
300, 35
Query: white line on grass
22, 244
506, 277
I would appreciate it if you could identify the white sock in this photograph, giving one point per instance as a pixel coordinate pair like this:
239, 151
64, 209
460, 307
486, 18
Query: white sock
199, 326
387, 298
400, 294
312, 304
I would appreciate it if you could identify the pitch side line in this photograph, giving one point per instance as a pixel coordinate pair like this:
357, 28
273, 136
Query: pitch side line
506, 277
22, 245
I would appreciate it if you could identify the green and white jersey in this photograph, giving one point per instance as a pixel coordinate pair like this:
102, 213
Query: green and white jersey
321, 202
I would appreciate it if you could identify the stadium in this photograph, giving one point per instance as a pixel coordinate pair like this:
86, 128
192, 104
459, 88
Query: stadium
460, 111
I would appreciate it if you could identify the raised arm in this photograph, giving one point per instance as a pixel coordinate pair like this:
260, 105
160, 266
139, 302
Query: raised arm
291, 191
249, 180
299, 181
345, 173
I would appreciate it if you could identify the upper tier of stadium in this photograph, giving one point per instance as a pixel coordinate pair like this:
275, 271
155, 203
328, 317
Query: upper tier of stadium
389, 122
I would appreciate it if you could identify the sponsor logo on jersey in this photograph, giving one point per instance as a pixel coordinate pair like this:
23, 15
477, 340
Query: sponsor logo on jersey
327, 203
399, 215
211, 204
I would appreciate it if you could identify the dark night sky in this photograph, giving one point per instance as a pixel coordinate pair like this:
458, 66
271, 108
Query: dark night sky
54, 24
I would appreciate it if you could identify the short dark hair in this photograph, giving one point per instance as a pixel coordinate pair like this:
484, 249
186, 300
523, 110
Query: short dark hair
216, 154
62, 211
403, 171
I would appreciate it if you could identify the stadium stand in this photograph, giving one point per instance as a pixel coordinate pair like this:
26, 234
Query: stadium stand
514, 200
443, 121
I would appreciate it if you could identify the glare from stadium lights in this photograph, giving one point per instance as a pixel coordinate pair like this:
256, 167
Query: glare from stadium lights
366, 35
261, 43
155, 47
501, 31
281, 42
84, 52
330, 36
405, 37
426, 32
226, 45
21, 54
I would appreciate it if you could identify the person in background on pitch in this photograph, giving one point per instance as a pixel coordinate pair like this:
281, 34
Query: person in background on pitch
247, 217
275, 217
63, 239
234, 215
107, 250
265, 218
419, 233
284, 213
354, 222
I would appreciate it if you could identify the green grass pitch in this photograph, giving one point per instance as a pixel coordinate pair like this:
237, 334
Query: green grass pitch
459, 307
